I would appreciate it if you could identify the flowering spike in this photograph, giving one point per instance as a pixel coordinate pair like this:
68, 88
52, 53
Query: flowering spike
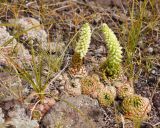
84, 40
80, 51
112, 65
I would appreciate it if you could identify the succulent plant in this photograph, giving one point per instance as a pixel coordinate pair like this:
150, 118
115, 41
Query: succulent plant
81, 48
112, 66
107, 95
123, 89
90, 85
136, 107
76, 65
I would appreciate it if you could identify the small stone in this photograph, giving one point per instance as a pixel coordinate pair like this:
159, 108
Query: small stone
55, 92
51, 102
150, 49
153, 71
60, 77
100, 50
62, 82
141, 44
41, 107
61, 87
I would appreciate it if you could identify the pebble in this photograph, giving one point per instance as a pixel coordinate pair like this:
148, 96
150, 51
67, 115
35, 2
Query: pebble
61, 87
100, 50
55, 92
60, 77
62, 82
150, 49
153, 72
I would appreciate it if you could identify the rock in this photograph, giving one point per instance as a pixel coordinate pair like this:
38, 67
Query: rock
9, 41
19, 119
75, 112
12, 49
74, 88
34, 31
10, 87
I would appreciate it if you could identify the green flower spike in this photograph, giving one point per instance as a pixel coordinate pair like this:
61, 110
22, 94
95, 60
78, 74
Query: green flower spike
136, 107
112, 66
81, 48
84, 40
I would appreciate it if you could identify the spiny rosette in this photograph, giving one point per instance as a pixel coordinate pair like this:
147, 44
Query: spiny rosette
136, 107
77, 69
123, 89
91, 85
106, 96
112, 65
84, 40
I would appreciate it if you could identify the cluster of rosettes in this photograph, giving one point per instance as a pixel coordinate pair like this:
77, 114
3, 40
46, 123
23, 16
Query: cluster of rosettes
84, 40
136, 107
92, 86
112, 65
